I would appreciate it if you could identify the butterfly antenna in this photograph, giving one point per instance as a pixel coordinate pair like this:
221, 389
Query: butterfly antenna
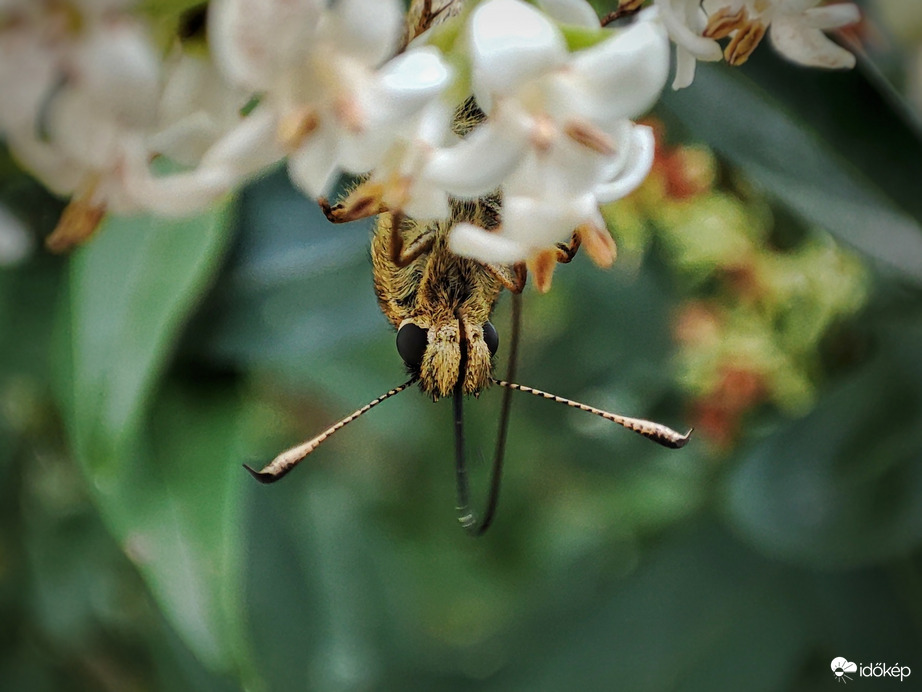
290, 458
466, 516
653, 431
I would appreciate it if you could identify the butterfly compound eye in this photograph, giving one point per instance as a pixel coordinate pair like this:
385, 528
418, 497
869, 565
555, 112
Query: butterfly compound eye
411, 344
490, 338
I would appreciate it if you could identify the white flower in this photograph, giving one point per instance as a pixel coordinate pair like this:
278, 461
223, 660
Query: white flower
795, 28
94, 85
400, 176
85, 87
196, 107
557, 135
685, 22
28, 65
199, 126
322, 73
98, 104
797, 33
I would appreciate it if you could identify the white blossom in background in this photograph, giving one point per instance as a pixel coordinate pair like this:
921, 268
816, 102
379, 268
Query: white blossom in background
558, 137
200, 126
795, 27
797, 32
79, 83
323, 74
84, 76
685, 21
196, 107
89, 102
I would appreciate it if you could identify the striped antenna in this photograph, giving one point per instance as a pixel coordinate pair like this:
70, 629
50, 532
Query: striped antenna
654, 431
290, 458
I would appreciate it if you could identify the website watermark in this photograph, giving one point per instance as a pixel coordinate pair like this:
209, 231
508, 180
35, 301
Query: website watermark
846, 671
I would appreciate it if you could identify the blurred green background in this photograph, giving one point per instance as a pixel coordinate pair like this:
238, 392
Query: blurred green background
767, 292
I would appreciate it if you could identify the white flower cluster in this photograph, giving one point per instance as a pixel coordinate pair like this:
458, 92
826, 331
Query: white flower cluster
795, 28
90, 103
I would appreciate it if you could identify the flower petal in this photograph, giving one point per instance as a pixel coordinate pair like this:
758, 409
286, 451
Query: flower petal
368, 30
28, 73
178, 194
540, 223
807, 46
832, 16
685, 64
315, 165
47, 163
622, 76
427, 202
196, 108
634, 170
511, 42
684, 21
253, 40
472, 241
576, 12
408, 82
15, 242
116, 66
248, 146
480, 162
79, 128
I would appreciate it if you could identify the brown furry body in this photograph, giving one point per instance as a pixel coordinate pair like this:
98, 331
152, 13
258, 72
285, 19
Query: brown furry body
434, 291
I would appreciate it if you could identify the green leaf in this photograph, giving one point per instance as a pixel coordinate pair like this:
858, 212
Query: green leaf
130, 291
176, 511
164, 476
833, 147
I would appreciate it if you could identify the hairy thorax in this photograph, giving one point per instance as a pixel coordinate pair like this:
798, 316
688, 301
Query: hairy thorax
449, 297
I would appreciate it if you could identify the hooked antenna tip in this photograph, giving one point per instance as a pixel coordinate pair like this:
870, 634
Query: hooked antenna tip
264, 478
681, 440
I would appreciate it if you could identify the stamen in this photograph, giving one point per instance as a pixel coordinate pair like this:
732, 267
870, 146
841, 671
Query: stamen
543, 133
297, 126
541, 265
590, 136
349, 114
743, 43
599, 244
80, 219
723, 22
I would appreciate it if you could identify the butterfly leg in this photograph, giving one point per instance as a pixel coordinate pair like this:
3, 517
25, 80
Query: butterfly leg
401, 255
512, 277
567, 251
